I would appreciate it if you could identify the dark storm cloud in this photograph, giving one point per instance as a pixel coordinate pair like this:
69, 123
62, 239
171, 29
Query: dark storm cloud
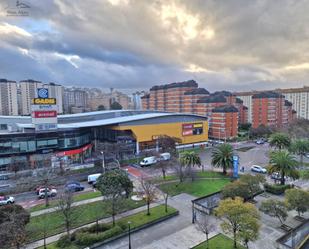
235, 44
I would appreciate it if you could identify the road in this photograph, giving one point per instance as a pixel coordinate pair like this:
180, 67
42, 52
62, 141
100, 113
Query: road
257, 155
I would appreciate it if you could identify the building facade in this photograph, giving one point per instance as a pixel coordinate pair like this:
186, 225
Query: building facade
76, 136
8, 97
28, 91
187, 97
268, 109
75, 98
224, 122
299, 97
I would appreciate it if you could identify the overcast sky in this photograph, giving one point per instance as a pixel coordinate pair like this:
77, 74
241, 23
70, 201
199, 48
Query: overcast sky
135, 44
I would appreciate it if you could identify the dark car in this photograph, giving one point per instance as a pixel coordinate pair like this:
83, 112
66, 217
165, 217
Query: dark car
74, 187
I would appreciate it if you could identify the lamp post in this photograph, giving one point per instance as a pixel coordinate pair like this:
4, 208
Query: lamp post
129, 223
103, 161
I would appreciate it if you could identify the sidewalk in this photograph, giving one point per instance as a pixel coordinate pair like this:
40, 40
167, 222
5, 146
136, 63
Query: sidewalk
106, 220
77, 203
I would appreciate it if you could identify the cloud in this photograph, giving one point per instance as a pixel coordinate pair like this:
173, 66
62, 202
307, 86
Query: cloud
134, 44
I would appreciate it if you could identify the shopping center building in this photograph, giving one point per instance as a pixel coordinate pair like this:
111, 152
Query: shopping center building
77, 134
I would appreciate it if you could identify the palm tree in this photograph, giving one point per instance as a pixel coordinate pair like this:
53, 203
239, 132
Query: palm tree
222, 156
280, 140
284, 163
190, 159
301, 148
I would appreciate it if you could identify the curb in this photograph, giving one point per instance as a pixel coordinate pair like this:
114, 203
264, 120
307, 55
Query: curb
134, 230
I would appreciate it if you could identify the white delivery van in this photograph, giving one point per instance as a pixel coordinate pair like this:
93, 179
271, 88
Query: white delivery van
93, 178
165, 156
148, 161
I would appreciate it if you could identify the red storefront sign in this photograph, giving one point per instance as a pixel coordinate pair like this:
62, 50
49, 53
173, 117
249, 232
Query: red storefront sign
45, 114
74, 152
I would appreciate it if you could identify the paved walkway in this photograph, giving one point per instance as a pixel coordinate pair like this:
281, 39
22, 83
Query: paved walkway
106, 220
77, 203
177, 232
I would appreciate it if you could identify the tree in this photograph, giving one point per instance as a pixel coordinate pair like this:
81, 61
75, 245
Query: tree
15, 166
112, 185
236, 189
204, 225
253, 183
168, 144
149, 192
222, 156
283, 162
260, 131
46, 175
65, 207
280, 141
101, 108
13, 220
275, 208
238, 216
301, 148
115, 106
165, 164
297, 199
190, 159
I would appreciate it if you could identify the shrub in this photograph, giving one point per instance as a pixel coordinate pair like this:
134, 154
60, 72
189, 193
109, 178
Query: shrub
64, 241
86, 239
99, 228
276, 189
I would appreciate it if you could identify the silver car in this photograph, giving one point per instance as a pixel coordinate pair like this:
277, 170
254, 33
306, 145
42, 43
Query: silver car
258, 169
4, 200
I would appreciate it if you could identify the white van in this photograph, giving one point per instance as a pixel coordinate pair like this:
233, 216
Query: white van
93, 178
148, 161
165, 156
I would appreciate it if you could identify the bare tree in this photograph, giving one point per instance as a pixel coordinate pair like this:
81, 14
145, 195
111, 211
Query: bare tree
165, 196
65, 206
149, 192
204, 225
15, 166
46, 175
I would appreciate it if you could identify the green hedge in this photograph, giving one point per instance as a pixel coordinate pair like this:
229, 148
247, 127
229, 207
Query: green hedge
89, 238
276, 189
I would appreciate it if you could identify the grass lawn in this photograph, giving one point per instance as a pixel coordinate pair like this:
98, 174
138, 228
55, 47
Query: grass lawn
220, 241
84, 214
197, 188
77, 197
200, 174
136, 220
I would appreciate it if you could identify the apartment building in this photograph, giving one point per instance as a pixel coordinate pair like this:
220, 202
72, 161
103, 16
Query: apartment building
8, 97
268, 108
75, 98
187, 97
299, 97
28, 91
224, 122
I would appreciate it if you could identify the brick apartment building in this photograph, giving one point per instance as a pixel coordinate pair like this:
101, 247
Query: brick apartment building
187, 97
271, 109
224, 122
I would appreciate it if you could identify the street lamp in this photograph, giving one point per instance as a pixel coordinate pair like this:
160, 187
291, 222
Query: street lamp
103, 161
129, 223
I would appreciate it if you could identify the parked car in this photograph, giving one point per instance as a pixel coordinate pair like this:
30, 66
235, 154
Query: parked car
260, 141
4, 200
74, 187
258, 169
148, 161
307, 155
92, 178
165, 156
37, 190
50, 192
